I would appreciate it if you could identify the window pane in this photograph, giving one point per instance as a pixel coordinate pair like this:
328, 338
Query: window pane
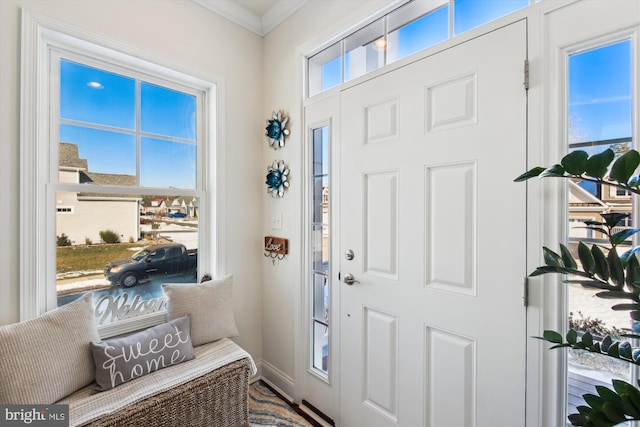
321, 151
320, 248
95, 96
421, 32
600, 105
325, 69
108, 158
320, 347
364, 50
107, 242
319, 187
167, 112
321, 298
469, 14
167, 164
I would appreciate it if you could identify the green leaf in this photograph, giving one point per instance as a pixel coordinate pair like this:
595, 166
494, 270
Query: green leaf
635, 315
607, 394
625, 350
587, 339
614, 350
625, 166
631, 261
577, 420
606, 343
613, 219
620, 386
552, 336
601, 266
593, 400
567, 258
586, 259
598, 164
626, 307
621, 236
634, 394
628, 407
614, 295
615, 268
555, 171
613, 412
546, 269
575, 162
572, 336
530, 174
551, 258
634, 182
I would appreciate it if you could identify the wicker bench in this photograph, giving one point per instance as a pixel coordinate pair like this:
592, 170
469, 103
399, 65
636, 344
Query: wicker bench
210, 390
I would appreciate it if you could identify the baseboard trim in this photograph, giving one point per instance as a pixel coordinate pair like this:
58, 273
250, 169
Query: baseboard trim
277, 379
317, 414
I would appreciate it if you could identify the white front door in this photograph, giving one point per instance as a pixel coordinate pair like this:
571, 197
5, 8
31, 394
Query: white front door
433, 330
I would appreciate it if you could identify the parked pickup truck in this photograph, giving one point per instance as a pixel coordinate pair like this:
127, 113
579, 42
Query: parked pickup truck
167, 258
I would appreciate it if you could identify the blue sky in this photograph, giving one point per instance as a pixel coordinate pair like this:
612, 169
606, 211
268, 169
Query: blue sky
599, 97
433, 28
96, 97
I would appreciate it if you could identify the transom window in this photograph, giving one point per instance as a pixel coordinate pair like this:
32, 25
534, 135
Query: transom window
415, 26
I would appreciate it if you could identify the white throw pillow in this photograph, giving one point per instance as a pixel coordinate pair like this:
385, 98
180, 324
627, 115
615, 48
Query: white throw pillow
210, 306
44, 359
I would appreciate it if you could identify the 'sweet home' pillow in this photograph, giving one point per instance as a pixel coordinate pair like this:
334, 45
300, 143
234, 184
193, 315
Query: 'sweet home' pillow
119, 360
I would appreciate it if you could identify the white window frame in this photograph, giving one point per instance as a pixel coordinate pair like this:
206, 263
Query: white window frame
40, 34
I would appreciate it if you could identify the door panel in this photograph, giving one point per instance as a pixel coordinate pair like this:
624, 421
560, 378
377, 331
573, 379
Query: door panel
428, 154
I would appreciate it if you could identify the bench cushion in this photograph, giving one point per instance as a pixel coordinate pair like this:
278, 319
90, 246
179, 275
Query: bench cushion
87, 405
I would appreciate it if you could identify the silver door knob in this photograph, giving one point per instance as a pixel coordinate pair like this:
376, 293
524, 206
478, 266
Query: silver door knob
349, 279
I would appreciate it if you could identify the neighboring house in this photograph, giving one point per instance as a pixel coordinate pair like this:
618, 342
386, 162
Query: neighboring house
586, 206
154, 207
185, 205
81, 216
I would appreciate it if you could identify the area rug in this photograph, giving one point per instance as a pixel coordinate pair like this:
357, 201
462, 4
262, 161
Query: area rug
266, 409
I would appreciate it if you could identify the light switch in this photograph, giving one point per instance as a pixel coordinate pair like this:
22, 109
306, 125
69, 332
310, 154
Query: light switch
276, 224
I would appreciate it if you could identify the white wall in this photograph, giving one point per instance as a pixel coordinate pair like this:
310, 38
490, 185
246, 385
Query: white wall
191, 38
311, 25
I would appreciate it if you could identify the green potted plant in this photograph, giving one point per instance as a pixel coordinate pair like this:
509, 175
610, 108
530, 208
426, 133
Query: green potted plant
600, 267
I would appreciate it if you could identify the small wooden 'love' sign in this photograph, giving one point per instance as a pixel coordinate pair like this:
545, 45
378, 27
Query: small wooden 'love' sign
276, 245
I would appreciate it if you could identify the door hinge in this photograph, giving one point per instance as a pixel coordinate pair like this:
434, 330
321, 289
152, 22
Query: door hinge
525, 292
526, 74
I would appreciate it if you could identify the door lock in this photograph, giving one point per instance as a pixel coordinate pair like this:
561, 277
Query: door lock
349, 279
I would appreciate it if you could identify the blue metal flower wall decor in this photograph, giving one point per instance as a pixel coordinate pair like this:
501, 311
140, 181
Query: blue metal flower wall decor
277, 178
277, 130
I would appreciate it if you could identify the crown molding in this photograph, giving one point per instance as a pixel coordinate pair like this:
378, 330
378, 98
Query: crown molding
278, 13
241, 16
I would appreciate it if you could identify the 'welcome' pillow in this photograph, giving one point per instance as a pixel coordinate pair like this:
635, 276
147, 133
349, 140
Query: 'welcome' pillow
210, 306
119, 360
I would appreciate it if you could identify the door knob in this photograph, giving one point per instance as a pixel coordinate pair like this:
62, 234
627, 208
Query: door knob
349, 279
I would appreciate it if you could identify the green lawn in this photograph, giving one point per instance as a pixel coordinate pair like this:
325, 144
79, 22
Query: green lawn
92, 257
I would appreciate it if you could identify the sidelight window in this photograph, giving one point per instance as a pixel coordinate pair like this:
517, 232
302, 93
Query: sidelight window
599, 117
320, 280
